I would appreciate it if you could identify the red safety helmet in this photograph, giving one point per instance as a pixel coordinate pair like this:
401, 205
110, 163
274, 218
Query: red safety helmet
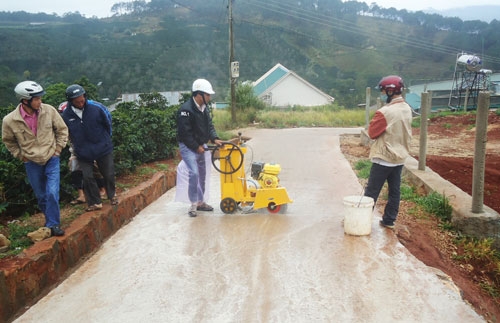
391, 82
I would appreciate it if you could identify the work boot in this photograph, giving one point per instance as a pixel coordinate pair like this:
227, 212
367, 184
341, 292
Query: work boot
387, 225
56, 231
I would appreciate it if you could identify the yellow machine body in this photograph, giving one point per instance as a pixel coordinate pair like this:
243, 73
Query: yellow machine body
237, 190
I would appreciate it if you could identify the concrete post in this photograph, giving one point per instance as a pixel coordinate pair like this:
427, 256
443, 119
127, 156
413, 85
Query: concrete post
425, 107
466, 100
480, 152
367, 107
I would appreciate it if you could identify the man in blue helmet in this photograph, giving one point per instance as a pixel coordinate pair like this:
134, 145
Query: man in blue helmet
90, 134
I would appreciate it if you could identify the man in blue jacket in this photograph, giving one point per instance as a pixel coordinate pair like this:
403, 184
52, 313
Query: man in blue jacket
194, 130
90, 134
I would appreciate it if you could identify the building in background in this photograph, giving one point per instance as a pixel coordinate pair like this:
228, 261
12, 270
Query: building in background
173, 98
280, 87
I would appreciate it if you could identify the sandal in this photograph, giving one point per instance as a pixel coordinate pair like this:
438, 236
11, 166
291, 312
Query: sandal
77, 201
114, 201
94, 207
204, 207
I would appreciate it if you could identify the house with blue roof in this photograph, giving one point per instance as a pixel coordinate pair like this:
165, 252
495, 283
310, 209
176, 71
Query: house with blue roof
281, 87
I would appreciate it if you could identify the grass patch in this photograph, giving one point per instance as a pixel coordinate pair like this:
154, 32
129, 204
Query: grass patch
124, 186
480, 253
292, 117
146, 171
436, 204
363, 168
18, 237
407, 192
162, 167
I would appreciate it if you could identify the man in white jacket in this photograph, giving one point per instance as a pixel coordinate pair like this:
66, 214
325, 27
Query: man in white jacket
391, 130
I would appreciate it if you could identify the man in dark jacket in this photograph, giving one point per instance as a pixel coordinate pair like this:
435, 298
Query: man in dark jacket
90, 134
194, 130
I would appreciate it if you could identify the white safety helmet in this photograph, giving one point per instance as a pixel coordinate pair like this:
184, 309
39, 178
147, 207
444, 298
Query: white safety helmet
203, 85
27, 90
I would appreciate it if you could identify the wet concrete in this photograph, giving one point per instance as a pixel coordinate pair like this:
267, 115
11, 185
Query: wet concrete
298, 267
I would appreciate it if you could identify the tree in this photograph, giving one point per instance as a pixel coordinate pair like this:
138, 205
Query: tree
55, 94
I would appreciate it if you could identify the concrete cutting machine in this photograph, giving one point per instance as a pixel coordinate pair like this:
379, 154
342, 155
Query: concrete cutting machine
238, 192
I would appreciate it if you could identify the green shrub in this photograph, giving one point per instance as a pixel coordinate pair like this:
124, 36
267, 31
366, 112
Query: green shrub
246, 98
142, 132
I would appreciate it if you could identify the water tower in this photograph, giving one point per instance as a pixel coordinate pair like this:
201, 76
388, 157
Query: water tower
469, 79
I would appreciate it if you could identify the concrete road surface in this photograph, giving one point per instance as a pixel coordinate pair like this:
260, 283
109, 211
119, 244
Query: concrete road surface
298, 267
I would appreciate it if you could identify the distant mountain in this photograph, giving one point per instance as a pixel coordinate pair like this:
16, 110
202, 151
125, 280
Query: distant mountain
484, 13
339, 47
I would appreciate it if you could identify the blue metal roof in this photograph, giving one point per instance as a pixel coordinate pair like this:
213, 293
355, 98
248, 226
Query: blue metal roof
269, 80
413, 100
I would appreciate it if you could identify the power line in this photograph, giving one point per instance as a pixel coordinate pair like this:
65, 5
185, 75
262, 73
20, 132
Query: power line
345, 25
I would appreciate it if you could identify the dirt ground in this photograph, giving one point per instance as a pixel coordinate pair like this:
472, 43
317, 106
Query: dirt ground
450, 151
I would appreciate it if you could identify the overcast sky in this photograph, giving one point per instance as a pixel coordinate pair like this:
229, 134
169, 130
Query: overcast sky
416, 5
102, 8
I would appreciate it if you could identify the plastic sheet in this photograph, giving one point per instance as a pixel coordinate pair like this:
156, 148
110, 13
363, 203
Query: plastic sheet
182, 184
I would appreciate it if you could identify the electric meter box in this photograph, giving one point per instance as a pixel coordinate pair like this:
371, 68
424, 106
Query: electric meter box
235, 69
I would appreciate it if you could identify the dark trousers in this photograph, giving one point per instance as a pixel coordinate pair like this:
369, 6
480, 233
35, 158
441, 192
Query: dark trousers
378, 175
77, 179
107, 169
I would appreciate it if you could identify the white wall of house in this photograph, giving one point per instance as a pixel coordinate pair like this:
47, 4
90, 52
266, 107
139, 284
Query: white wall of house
292, 91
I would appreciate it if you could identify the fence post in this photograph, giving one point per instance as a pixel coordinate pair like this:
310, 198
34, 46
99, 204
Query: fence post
480, 152
367, 107
466, 100
425, 106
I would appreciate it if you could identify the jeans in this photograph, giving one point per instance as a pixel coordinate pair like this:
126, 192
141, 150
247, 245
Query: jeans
378, 175
90, 188
45, 181
197, 173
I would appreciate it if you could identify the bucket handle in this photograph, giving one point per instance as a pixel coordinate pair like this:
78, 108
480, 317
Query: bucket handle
361, 195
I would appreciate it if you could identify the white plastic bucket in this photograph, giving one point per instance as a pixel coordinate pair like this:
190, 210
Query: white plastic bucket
358, 215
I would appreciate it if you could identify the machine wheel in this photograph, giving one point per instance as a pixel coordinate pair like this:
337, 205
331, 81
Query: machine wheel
275, 209
233, 168
228, 205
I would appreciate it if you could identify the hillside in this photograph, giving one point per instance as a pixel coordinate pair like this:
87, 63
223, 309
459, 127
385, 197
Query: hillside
160, 46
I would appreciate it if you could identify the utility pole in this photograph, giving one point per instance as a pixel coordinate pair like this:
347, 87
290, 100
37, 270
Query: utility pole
233, 66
